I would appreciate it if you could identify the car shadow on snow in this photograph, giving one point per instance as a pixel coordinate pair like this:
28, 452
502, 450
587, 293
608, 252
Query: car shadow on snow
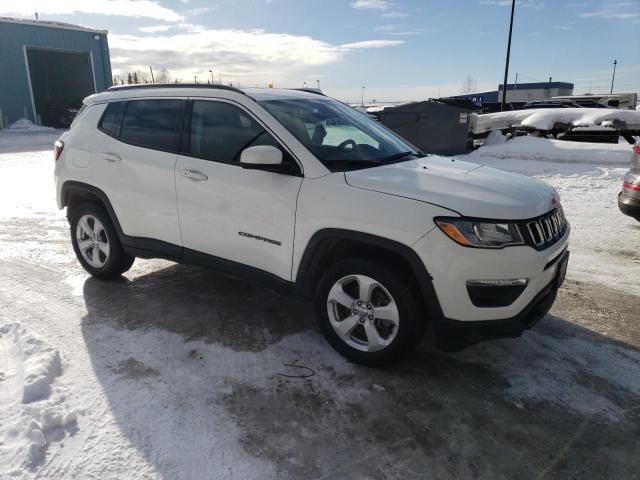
210, 376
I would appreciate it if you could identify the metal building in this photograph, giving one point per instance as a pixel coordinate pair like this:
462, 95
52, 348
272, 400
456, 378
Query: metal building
47, 68
522, 92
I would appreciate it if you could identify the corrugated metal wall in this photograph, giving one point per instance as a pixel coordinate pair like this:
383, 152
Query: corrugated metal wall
15, 96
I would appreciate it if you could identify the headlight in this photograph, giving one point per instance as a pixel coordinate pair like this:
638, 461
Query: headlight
472, 233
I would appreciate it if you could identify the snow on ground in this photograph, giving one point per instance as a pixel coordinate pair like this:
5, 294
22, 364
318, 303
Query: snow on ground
534, 149
605, 244
32, 407
28, 140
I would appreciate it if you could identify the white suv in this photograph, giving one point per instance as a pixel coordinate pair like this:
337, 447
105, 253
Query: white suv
305, 193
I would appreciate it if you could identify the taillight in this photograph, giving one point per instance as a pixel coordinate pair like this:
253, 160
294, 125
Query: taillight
57, 149
637, 149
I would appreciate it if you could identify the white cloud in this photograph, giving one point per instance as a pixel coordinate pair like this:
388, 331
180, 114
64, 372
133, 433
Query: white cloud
400, 29
372, 44
155, 28
385, 8
371, 4
127, 8
243, 56
611, 15
395, 14
535, 4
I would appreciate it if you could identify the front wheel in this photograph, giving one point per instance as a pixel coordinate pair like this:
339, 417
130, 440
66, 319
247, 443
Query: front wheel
367, 312
96, 243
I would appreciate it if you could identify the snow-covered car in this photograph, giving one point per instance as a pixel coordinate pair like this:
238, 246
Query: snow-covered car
300, 191
629, 197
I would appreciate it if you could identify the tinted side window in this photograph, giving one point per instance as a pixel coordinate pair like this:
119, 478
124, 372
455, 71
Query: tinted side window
152, 123
220, 131
110, 122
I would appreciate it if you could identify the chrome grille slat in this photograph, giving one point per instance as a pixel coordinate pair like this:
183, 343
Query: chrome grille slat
548, 229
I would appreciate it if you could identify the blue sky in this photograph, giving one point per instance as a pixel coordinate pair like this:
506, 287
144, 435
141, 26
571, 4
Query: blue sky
399, 49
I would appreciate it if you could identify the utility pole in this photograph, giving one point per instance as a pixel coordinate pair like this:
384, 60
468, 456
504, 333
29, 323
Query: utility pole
506, 66
151, 70
615, 62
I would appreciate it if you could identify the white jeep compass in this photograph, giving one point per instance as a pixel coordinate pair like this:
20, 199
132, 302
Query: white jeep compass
300, 191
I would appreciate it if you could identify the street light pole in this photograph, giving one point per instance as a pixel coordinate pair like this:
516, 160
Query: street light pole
615, 62
211, 72
362, 103
506, 67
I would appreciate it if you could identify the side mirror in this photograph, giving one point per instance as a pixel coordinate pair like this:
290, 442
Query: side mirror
261, 157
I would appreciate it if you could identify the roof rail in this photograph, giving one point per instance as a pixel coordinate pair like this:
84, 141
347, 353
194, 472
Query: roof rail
309, 90
136, 86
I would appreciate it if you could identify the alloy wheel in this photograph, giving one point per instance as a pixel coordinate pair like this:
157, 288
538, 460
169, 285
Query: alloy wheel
93, 241
363, 313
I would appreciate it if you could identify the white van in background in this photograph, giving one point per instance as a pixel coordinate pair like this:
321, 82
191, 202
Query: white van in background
624, 101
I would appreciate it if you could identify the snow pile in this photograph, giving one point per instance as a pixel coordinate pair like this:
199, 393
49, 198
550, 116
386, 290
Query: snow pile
546, 118
535, 148
27, 125
495, 138
31, 408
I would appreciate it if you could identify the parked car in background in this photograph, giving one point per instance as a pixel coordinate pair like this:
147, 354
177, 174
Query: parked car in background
300, 191
550, 104
67, 116
624, 101
629, 197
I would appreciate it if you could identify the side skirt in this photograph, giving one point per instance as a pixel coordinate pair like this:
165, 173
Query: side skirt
150, 248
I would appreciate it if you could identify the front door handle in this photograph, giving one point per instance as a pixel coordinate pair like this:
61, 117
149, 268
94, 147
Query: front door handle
112, 157
194, 175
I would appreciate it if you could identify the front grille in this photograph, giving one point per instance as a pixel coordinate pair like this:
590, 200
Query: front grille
546, 230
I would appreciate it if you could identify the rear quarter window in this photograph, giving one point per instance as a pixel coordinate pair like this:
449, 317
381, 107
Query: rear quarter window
110, 122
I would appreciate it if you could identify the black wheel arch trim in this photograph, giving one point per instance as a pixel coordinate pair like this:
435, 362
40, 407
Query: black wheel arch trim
418, 269
138, 246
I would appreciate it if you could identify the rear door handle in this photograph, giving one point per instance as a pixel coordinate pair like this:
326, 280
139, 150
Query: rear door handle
112, 157
194, 175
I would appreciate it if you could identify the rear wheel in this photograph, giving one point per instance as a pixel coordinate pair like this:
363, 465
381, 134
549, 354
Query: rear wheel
368, 312
96, 243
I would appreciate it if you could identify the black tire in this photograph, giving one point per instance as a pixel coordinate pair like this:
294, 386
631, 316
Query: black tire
412, 321
118, 261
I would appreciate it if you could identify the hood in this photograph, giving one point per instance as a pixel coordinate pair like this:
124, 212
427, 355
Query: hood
467, 188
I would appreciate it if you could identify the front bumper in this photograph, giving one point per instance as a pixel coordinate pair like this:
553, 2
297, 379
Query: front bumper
451, 266
629, 206
454, 335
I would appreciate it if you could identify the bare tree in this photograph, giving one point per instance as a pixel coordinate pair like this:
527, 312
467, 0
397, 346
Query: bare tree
163, 76
469, 85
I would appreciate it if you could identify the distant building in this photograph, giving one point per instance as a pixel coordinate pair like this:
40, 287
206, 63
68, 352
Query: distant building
522, 92
531, 92
48, 68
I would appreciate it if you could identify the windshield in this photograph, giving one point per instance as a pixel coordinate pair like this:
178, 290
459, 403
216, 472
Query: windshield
339, 136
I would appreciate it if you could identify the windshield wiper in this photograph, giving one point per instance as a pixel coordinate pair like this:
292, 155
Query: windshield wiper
401, 155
